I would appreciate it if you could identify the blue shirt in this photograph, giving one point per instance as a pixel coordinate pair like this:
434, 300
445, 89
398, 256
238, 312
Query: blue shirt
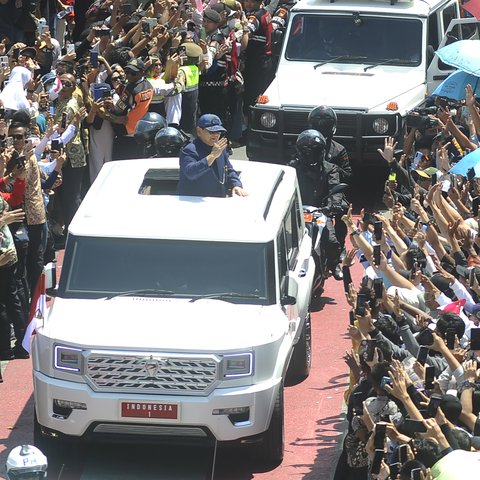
198, 179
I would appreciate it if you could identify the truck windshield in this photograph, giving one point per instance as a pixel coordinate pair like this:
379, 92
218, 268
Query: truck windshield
101, 267
324, 38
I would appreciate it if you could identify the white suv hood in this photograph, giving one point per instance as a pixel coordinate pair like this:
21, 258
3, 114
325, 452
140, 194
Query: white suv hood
341, 86
158, 323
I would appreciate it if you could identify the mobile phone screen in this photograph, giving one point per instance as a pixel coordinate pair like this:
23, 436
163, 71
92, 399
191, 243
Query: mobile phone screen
378, 287
94, 59
376, 254
403, 453
347, 278
429, 377
377, 462
377, 230
422, 355
380, 432
351, 314
475, 339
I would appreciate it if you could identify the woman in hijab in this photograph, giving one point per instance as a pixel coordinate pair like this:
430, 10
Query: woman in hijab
14, 96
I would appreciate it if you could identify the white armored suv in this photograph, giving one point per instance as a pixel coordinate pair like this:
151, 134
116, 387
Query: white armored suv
372, 61
177, 316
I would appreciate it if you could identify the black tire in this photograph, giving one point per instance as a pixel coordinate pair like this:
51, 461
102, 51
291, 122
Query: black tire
301, 360
272, 446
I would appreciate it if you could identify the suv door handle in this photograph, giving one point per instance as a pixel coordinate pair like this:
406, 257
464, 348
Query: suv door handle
302, 272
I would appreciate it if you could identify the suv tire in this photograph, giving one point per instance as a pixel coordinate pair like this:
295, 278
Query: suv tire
301, 360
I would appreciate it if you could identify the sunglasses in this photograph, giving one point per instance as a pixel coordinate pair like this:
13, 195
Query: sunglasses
67, 84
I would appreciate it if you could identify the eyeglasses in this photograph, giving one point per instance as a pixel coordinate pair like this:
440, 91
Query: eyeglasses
18, 136
67, 84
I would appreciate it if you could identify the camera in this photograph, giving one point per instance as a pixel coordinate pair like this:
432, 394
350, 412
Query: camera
419, 118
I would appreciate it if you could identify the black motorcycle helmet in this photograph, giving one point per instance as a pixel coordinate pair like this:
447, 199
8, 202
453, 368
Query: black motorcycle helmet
148, 126
323, 119
168, 142
311, 145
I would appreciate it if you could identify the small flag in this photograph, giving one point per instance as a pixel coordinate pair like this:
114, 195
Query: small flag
199, 5
55, 89
38, 310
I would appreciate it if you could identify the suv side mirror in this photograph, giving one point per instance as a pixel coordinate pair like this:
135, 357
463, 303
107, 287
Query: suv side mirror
277, 41
292, 290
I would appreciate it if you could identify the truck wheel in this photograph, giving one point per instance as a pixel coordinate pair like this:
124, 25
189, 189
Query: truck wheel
301, 360
271, 448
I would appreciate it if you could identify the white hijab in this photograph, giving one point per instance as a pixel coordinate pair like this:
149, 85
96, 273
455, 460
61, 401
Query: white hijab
13, 95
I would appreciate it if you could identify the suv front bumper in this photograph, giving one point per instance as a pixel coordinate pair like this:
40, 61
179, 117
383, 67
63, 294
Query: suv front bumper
102, 416
354, 132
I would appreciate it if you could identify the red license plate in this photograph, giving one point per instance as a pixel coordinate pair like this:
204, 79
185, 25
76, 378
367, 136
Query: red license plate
149, 410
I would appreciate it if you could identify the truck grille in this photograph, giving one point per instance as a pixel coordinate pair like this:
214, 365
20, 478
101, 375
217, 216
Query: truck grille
296, 122
151, 374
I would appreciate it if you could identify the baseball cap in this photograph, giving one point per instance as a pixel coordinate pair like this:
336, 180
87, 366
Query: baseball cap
210, 122
136, 65
28, 52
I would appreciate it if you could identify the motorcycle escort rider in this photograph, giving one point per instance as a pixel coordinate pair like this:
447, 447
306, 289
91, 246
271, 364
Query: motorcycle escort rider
316, 178
324, 119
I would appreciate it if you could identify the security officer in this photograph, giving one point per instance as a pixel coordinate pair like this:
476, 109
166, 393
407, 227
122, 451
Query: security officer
259, 69
316, 177
324, 119
189, 75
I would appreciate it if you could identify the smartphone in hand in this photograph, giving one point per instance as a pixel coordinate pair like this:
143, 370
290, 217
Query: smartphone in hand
422, 355
429, 377
63, 123
378, 230
377, 250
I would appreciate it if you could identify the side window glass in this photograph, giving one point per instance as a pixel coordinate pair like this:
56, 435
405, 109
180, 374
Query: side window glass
433, 31
448, 15
282, 260
292, 233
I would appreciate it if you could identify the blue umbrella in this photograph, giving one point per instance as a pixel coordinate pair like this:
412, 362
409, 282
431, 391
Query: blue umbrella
469, 161
463, 54
453, 87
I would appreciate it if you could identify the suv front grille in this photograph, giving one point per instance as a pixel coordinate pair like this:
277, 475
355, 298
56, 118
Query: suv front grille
297, 121
151, 374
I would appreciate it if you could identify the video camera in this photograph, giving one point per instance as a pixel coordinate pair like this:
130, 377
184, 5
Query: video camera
419, 118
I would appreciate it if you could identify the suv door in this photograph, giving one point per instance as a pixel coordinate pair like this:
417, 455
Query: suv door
459, 29
295, 264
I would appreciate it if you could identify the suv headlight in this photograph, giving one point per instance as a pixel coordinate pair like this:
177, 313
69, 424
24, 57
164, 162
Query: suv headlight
238, 365
380, 125
68, 359
268, 120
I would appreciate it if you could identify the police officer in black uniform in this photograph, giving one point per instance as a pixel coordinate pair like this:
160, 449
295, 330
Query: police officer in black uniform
316, 177
324, 119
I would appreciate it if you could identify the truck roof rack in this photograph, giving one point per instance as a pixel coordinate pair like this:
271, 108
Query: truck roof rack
392, 2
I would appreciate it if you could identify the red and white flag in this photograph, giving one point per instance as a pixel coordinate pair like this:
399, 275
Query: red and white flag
55, 89
38, 309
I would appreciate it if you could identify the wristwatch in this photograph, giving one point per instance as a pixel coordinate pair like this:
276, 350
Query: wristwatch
467, 384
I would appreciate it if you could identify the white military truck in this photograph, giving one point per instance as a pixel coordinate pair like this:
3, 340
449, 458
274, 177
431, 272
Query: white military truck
371, 61
177, 317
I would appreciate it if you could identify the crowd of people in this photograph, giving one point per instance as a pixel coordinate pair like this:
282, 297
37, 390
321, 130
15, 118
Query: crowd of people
82, 83
414, 395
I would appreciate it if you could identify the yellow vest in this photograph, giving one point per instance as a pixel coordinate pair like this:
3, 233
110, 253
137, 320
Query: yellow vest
191, 77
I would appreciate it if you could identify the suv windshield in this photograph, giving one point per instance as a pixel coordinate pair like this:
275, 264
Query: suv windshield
322, 38
101, 267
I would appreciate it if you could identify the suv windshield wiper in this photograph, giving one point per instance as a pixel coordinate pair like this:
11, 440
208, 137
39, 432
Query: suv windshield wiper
390, 60
224, 295
340, 57
141, 292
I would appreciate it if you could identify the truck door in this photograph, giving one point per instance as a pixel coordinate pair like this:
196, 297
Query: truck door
458, 29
